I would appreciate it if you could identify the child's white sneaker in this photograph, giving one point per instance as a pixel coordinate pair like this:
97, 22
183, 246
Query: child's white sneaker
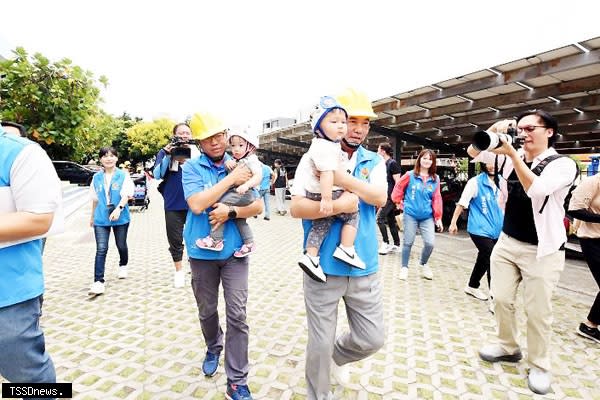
310, 265
349, 256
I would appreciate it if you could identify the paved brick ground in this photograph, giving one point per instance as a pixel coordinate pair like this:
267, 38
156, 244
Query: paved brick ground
142, 340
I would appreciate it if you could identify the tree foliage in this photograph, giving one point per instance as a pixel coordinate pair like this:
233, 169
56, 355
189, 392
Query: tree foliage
58, 102
145, 139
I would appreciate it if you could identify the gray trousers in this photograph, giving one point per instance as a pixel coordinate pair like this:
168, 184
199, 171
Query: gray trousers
233, 198
233, 275
364, 308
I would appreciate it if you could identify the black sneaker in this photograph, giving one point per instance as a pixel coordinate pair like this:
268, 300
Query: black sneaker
590, 333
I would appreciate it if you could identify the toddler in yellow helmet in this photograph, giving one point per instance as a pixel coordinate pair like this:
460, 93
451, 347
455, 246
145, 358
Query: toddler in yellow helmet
243, 147
328, 122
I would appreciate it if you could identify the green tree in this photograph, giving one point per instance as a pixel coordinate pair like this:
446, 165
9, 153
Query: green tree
57, 101
145, 139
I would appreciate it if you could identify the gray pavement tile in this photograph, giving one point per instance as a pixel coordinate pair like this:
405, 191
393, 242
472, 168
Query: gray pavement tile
142, 339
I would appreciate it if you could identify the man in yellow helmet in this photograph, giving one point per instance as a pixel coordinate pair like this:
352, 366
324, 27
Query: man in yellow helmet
359, 288
205, 180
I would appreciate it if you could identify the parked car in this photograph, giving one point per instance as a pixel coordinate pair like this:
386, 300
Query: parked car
73, 172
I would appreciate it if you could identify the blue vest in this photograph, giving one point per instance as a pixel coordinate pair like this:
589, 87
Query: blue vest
485, 214
21, 274
418, 195
200, 174
116, 184
366, 238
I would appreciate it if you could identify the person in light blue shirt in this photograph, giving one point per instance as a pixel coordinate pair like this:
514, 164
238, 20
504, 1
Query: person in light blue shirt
30, 194
268, 177
205, 180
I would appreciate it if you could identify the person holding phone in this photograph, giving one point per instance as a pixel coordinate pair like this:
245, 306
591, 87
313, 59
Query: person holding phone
110, 191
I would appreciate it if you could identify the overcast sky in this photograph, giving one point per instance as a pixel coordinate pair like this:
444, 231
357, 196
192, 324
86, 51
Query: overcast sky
254, 60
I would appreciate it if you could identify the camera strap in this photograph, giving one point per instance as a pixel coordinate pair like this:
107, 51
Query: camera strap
498, 170
540, 167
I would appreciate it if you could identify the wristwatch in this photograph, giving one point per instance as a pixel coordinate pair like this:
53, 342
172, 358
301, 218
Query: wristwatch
121, 207
232, 214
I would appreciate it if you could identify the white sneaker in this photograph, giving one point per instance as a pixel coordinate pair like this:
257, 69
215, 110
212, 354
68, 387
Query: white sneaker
384, 249
341, 373
539, 381
312, 268
491, 305
426, 272
403, 273
476, 292
179, 279
349, 257
96, 288
494, 353
122, 272
395, 249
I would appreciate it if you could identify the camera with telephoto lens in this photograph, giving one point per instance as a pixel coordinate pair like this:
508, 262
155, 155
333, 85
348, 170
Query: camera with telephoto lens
179, 147
484, 140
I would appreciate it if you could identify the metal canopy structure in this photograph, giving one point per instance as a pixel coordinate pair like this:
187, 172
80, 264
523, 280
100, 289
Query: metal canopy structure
445, 115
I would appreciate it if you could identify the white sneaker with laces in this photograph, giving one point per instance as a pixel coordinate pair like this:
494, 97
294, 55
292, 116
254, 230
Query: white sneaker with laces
349, 257
476, 292
341, 373
96, 288
179, 279
384, 249
122, 272
312, 268
403, 273
426, 272
539, 381
396, 249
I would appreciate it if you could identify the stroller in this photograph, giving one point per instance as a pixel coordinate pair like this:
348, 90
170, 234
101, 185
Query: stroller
140, 192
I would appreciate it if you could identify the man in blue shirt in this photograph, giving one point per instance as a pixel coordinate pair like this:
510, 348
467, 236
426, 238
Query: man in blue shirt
205, 180
268, 177
360, 289
168, 169
30, 193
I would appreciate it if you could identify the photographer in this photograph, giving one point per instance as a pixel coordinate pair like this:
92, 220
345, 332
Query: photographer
531, 246
168, 168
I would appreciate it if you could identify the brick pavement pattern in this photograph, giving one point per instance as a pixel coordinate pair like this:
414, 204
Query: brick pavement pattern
142, 339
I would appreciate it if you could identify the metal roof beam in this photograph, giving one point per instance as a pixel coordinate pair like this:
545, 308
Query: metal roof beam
579, 102
291, 142
531, 71
427, 142
574, 86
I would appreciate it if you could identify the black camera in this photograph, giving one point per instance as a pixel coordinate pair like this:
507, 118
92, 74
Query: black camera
484, 140
180, 149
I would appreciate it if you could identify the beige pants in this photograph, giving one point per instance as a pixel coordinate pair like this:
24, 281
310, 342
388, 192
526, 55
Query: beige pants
513, 262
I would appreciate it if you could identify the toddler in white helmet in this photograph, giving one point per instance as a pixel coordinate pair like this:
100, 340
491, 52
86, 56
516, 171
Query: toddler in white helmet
243, 148
326, 156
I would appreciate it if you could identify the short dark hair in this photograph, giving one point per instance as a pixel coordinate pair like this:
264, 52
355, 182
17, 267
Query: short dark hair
21, 128
108, 149
549, 122
178, 125
387, 147
277, 161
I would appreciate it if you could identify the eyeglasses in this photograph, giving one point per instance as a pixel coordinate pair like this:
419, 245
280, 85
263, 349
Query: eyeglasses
529, 128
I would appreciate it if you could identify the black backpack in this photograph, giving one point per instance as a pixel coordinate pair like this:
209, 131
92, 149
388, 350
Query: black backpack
540, 167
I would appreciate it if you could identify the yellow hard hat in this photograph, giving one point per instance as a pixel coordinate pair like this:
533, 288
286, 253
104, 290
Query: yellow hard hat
205, 125
356, 103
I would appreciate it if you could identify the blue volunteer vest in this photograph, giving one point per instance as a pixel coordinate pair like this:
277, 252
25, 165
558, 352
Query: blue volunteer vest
265, 183
200, 174
21, 274
101, 212
366, 242
418, 196
485, 215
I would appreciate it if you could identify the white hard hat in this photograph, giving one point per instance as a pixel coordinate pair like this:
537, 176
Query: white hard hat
246, 135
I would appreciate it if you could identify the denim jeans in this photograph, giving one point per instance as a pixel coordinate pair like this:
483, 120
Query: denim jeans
266, 196
23, 356
427, 228
102, 234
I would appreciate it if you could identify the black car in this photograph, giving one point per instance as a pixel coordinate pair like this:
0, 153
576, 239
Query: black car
73, 172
